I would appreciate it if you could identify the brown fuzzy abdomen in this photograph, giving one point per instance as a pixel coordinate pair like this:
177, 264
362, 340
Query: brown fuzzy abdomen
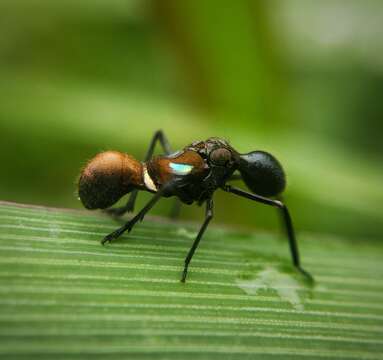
107, 177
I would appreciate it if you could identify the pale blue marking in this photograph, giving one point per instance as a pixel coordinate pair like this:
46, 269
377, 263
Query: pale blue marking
181, 169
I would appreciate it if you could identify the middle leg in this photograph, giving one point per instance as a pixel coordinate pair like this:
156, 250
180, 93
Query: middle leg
208, 217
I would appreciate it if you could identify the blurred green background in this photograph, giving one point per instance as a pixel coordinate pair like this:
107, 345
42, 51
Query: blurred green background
302, 79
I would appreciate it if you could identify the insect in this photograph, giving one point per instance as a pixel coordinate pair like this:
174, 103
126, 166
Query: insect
192, 175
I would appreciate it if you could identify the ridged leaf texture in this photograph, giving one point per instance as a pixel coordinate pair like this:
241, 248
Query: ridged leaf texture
64, 296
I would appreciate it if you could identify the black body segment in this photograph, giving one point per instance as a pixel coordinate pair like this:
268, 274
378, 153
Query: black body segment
191, 175
262, 173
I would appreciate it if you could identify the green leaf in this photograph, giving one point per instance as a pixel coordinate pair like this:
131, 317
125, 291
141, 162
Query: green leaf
63, 295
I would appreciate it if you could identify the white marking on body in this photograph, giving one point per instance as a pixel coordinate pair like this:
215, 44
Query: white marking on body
148, 181
180, 169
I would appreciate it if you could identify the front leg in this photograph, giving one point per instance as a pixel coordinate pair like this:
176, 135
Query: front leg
286, 219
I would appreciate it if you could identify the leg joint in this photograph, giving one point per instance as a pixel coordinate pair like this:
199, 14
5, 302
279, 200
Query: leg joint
279, 204
158, 133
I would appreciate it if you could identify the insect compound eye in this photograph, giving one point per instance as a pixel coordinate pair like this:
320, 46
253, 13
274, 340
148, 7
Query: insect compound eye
220, 157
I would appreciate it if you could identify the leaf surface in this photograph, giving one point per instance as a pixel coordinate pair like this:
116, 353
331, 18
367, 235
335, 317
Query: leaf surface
63, 295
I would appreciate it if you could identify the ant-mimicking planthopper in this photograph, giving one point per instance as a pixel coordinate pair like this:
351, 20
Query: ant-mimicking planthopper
192, 175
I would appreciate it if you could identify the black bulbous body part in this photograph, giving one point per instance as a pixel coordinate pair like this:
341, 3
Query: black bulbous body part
262, 173
190, 175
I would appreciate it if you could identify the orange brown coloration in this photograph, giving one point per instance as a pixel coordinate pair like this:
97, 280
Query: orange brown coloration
160, 171
107, 177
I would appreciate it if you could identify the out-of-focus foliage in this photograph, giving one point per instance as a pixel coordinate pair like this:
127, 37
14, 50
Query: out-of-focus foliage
301, 79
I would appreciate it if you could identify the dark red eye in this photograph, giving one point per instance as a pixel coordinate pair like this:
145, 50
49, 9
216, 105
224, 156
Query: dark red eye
220, 156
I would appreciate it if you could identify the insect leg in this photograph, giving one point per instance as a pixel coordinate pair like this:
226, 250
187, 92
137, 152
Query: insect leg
128, 226
208, 217
129, 207
158, 136
286, 219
